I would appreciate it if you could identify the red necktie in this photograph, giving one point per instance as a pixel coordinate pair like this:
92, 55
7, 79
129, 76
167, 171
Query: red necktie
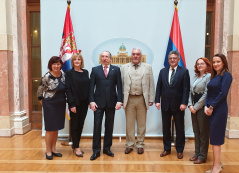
105, 70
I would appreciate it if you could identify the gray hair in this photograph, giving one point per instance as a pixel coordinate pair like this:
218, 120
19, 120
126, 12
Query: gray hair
108, 52
137, 49
174, 52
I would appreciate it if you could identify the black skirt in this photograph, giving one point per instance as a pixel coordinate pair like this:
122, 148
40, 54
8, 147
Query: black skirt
54, 110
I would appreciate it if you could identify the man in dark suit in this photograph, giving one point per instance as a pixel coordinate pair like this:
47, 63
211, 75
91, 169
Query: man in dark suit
173, 89
104, 98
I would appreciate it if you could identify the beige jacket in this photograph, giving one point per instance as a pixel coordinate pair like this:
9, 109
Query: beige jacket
147, 83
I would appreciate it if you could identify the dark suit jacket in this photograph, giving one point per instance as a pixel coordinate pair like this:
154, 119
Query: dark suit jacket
102, 89
176, 94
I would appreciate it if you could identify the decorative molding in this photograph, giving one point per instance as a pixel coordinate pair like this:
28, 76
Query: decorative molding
17, 123
232, 134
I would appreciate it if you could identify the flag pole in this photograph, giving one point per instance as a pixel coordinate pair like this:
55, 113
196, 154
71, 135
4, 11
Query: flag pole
172, 122
69, 142
69, 2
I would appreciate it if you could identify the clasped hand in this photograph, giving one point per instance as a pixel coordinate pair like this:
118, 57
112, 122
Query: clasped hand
208, 111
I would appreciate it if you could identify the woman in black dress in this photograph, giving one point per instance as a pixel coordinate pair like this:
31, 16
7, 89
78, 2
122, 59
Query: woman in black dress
216, 107
51, 94
77, 89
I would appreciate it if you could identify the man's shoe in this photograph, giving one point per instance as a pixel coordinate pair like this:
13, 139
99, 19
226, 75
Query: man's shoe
49, 157
193, 158
165, 153
180, 155
95, 156
57, 154
128, 150
108, 152
199, 161
140, 150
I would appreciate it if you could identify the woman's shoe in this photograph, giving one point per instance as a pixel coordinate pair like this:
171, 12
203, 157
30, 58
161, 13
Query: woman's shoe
221, 165
78, 155
57, 154
49, 157
209, 171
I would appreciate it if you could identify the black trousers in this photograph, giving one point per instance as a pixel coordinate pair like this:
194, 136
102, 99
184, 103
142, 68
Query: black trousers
77, 122
178, 117
109, 125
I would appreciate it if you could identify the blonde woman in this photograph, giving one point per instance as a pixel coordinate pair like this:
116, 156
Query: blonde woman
77, 91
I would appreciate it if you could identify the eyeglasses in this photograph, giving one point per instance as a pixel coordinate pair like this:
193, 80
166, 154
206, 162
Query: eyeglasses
200, 64
173, 58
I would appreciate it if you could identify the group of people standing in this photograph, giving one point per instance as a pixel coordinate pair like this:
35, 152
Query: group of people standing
132, 87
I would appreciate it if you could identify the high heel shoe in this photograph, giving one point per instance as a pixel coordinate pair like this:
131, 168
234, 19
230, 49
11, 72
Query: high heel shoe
221, 165
209, 171
78, 155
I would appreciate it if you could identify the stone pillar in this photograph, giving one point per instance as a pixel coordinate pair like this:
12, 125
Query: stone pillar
231, 6
13, 68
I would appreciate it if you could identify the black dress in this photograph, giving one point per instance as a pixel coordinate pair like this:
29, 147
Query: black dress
54, 109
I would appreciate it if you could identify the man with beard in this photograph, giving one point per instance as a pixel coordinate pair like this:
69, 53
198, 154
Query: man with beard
139, 93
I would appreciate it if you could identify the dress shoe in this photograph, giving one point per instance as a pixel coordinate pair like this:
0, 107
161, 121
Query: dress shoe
78, 155
128, 150
199, 161
180, 155
57, 154
209, 171
108, 152
140, 150
49, 157
221, 165
165, 153
193, 158
95, 156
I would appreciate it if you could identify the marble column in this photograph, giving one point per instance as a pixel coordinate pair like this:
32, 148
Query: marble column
14, 102
232, 26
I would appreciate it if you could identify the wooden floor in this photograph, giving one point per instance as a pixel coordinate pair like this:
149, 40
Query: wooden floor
25, 153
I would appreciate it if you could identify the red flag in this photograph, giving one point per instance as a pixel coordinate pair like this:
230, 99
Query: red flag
175, 41
68, 44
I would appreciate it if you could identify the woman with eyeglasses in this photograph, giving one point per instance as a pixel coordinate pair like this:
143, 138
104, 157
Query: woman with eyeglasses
200, 123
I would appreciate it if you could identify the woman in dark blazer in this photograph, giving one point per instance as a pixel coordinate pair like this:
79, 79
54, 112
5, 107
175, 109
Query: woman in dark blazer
77, 91
198, 92
216, 107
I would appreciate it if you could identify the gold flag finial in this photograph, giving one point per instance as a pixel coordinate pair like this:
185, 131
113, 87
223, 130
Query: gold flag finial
69, 2
176, 2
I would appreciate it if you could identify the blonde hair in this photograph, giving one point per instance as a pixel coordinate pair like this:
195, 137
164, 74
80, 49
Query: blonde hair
77, 55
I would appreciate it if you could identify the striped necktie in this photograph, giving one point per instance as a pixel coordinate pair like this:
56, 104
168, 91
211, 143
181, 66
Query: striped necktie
172, 76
